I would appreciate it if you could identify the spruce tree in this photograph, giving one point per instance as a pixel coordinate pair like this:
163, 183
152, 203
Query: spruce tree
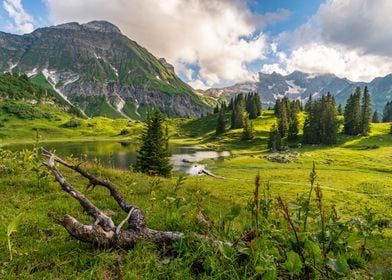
366, 112
375, 118
220, 125
308, 104
352, 114
283, 120
248, 132
237, 116
340, 110
387, 112
275, 140
257, 101
153, 155
292, 134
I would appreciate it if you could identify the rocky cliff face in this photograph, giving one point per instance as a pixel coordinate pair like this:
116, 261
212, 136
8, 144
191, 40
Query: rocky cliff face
85, 61
299, 85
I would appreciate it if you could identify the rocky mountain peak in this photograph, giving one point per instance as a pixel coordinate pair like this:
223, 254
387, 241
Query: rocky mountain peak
102, 26
99, 26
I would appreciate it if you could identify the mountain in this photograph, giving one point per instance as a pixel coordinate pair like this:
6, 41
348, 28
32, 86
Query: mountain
299, 85
96, 68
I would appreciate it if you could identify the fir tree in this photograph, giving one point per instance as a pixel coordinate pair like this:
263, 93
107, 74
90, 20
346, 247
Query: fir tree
375, 118
321, 126
237, 116
251, 106
220, 126
387, 113
283, 122
340, 110
308, 104
216, 109
153, 155
248, 132
352, 114
292, 134
366, 112
275, 140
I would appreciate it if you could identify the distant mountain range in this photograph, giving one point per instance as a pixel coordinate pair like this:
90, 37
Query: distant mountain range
299, 85
99, 70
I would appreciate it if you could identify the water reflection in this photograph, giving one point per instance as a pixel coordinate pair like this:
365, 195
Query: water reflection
122, 155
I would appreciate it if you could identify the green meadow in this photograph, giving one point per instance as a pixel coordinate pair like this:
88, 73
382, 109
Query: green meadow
355, 177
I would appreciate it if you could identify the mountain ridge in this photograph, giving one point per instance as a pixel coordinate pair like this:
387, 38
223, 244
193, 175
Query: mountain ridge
86, 61
299, 85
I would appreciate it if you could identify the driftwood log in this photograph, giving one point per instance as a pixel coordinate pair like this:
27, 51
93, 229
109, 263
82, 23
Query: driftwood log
103, 231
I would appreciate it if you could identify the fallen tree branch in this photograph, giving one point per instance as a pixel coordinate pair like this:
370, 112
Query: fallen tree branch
103, 231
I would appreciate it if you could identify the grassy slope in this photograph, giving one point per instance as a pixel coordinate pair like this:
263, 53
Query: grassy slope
352, 179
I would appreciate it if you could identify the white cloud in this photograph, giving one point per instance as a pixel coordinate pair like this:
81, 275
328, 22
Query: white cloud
198, 84
22, 21
358, 24
319, 58
349, 38
274, 67
219, 36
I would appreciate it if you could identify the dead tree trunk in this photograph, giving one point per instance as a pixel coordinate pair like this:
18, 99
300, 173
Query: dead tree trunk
103, 231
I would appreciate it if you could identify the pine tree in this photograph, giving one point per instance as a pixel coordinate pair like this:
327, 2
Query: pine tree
248, 132
308, 104
375, 118
275, 140
321, 126
292, 134
153, 155
283, 122
220, 126
352, 114
340, 110
251, 106
237, 116
257, 101
387, 113
366, 112
216, 109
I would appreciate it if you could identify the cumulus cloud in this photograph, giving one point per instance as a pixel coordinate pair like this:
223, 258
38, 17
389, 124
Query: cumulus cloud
349, 38
22, 21
358, 24
351, 64
219, 36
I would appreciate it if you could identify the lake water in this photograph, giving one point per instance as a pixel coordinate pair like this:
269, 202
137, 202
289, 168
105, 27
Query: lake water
123, 154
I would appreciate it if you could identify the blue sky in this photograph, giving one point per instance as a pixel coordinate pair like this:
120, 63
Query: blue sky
222, 42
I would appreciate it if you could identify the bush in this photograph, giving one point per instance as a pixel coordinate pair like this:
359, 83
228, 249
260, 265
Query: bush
25, 111
72, 123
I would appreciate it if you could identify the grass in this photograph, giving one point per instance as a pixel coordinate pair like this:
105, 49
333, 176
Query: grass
354, 175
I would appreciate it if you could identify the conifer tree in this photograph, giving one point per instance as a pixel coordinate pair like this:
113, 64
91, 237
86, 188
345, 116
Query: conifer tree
275, 140
292, 133
387, 113
375, 118
340, 110
248, 132
220, 126
216, 109
237, 116
283, 122
366, 112
257, 101
321, 126
308, 104
352, 114
153, 155
251, 106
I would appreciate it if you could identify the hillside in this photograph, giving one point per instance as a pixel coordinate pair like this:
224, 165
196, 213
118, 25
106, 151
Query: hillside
99, 70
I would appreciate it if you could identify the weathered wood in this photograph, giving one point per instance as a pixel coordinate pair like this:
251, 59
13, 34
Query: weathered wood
103, 231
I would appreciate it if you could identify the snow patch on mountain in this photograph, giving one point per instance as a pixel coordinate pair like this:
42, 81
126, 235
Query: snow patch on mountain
293, 88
